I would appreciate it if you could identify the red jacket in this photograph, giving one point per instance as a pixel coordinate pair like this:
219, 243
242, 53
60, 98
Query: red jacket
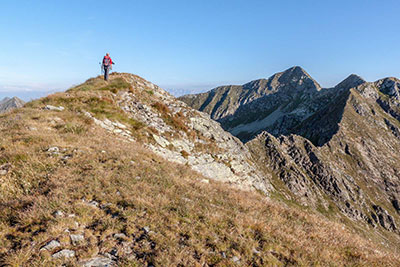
107, 61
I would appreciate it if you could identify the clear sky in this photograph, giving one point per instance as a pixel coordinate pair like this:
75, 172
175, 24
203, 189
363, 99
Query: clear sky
191, 46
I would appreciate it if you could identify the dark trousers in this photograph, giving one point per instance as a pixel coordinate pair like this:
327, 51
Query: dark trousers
106, 71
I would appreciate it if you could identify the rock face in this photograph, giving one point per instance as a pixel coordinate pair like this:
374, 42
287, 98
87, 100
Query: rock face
333, 149
353, 162
65, 253
10, 103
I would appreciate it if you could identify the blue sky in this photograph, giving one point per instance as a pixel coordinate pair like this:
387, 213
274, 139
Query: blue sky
191, 46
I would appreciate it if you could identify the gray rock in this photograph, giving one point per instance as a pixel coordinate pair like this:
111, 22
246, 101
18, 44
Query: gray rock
65, 253
53, 150
98, 262
58, 214
50, 107
5, 168
161, 141
119, 125
235, 259
121, 236
51, 245
94, 203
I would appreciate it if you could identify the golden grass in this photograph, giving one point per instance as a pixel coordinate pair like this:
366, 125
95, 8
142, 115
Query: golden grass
178, 120
191, 223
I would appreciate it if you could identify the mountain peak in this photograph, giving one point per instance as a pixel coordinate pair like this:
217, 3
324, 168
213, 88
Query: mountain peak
353, 80
389, 86
298, 78
10, 103
296, 71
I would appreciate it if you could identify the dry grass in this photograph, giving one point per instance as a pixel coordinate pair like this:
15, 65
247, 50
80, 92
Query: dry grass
175, 120
191, 223
98, 84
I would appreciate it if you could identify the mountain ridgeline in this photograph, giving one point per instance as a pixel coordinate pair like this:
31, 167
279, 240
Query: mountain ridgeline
8, 104
121, 173
334, 149
277, 104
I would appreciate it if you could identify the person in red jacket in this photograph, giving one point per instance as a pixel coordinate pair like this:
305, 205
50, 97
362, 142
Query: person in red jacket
107, 65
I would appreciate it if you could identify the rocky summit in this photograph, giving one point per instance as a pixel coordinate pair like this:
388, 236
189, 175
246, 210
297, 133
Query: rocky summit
8, 104
121, 173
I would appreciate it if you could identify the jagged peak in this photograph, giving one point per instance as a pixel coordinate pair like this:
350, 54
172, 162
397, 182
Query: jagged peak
10, 103
297, 70
388, 79
16, 99
12, 100
353, 80
296, 76
389, 86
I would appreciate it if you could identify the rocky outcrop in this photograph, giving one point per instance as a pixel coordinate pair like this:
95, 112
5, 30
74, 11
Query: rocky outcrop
309, 175
183, 135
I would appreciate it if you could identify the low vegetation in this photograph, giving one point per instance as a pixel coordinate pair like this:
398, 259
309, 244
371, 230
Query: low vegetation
175, 120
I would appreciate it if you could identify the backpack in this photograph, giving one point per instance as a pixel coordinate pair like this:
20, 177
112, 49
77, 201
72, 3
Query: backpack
106, 61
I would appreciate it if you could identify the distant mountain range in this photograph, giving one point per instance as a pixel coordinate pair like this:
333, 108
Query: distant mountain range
10, 103
277, 104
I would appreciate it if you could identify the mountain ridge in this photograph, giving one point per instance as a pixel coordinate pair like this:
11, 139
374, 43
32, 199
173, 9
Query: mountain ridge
294, 105
105, 173
331, 148
8, 104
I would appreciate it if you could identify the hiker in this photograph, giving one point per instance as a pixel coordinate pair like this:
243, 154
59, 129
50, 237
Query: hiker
107, 65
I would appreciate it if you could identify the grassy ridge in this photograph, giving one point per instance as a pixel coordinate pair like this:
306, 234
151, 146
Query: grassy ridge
167, 215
